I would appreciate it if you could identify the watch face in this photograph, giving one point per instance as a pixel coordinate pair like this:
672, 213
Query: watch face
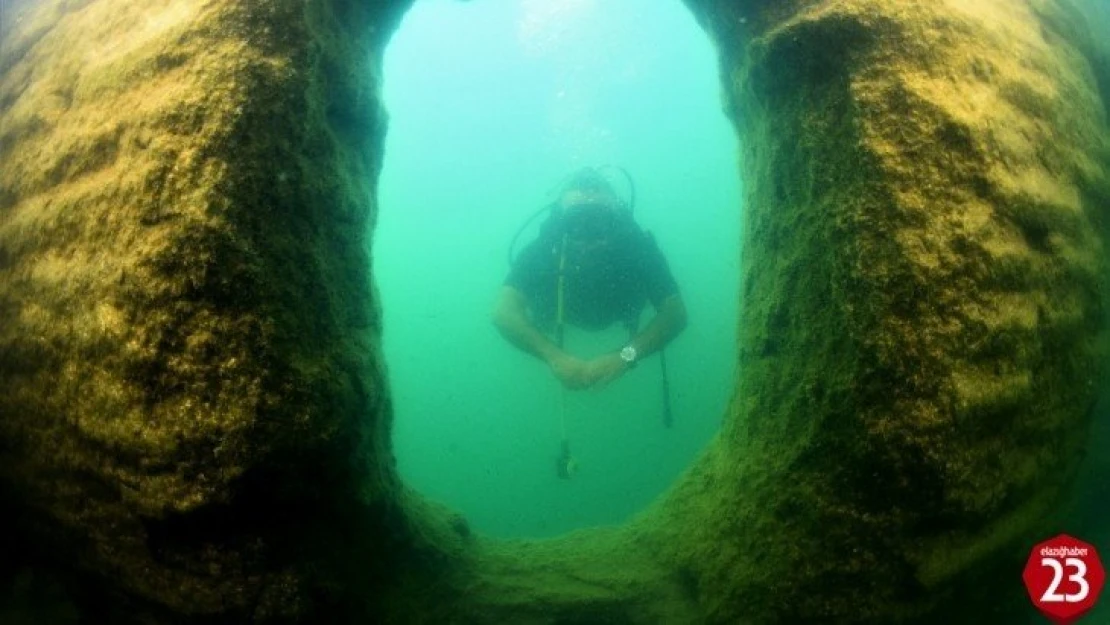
628, 354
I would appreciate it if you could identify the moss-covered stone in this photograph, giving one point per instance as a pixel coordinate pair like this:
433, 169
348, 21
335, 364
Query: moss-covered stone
194, 409
925, 281
194, 421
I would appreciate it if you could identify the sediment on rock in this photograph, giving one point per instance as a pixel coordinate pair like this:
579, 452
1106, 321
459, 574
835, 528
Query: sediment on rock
195, 418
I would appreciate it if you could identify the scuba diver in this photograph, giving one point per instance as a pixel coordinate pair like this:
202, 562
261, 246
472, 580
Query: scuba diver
591, 266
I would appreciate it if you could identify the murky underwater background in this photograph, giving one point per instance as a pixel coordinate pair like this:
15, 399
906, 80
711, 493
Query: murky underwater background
491, 104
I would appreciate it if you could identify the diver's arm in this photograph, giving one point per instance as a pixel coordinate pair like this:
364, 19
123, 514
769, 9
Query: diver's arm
668, 322
510, 316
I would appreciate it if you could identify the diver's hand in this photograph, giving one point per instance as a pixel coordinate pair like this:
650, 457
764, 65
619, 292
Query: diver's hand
606, 368
574, 373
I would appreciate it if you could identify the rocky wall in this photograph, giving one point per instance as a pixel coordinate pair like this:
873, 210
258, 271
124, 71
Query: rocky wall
923, 326
193, 423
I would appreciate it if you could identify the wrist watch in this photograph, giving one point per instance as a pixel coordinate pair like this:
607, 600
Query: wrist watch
628, 355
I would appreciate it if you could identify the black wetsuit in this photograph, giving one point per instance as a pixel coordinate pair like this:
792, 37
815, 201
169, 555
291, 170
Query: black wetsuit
602, 286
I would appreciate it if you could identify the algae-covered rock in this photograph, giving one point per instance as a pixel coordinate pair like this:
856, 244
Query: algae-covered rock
193, 411
924, 288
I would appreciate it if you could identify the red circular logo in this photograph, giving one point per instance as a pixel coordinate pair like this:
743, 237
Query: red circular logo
1064, 577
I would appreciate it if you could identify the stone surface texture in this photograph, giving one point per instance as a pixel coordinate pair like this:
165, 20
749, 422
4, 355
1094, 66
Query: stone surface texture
194, 418
923, 325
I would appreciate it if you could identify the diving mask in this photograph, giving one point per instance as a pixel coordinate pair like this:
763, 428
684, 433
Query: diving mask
586, 221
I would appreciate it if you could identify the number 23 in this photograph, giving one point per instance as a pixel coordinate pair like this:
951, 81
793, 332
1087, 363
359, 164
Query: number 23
1051, 596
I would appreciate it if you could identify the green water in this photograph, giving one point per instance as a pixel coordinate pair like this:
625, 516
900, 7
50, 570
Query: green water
490, 104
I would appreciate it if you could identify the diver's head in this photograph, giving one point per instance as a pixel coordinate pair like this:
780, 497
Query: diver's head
589, 207
588, 187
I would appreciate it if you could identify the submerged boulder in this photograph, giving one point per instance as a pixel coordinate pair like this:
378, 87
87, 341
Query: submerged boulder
194, 421
923, 331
